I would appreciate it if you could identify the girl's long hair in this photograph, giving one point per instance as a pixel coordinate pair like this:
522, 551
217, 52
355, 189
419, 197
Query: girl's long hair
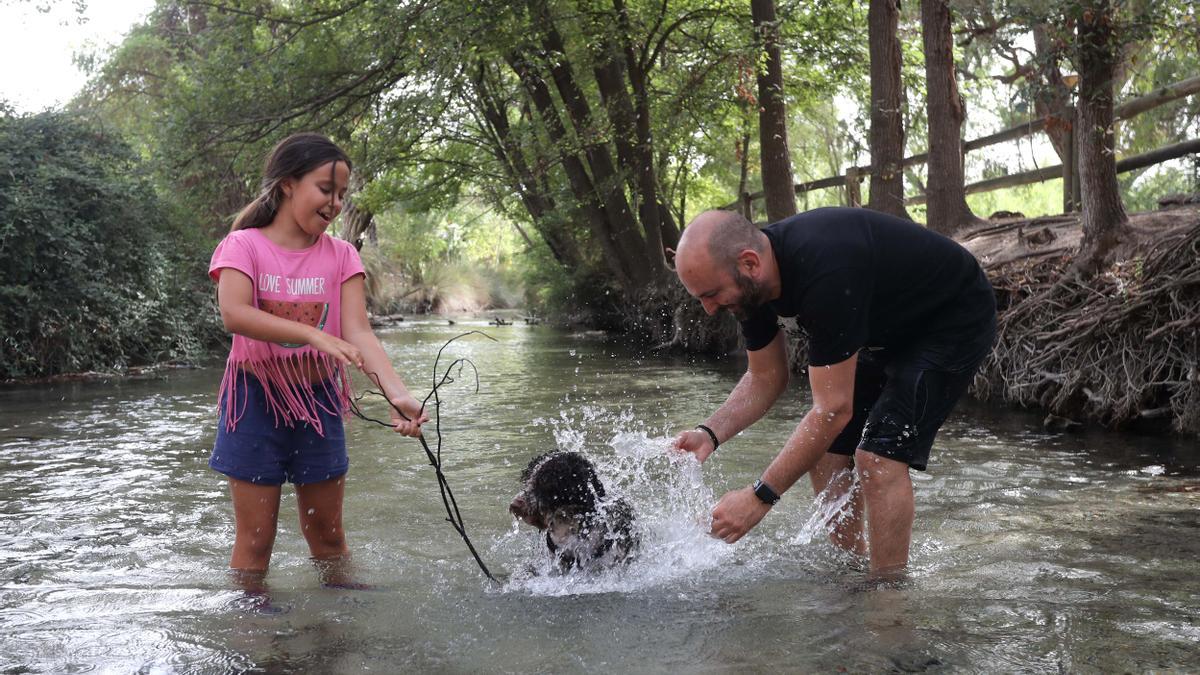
292, 157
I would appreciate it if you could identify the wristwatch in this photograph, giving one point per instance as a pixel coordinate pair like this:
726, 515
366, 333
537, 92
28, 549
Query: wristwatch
765, 493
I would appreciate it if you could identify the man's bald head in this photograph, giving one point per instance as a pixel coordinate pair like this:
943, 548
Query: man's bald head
726, 263
716, 238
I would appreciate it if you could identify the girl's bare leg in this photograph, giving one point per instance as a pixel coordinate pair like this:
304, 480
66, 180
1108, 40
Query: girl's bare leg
320, 507
256, 514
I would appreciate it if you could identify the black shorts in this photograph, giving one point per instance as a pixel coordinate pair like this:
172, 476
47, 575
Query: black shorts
902, 397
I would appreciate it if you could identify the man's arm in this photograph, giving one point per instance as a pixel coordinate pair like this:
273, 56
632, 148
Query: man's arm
765, 379
833, 406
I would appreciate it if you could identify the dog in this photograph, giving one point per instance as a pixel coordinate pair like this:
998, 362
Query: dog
562, 496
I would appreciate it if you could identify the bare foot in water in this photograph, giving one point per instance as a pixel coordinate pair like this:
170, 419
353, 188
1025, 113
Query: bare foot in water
337, 573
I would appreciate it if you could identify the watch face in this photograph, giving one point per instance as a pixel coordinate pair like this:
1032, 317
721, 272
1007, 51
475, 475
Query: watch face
765, 493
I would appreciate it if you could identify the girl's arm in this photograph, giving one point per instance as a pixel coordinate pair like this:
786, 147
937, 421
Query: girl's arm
356, 328
235, 296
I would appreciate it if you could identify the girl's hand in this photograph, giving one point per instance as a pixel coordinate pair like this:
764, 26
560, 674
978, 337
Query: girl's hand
346, 353
411, 408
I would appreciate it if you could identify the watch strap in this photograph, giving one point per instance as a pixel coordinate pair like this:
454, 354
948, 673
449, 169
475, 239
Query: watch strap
765, 493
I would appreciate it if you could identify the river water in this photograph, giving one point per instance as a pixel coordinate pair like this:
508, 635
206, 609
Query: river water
1032, 551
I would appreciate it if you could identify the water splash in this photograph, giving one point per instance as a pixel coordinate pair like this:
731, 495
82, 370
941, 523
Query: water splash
829, 509
671, 502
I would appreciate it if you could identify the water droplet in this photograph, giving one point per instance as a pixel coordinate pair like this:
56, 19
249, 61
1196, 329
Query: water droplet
311, 511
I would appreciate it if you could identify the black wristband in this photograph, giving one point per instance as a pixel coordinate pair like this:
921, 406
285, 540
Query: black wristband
711, 434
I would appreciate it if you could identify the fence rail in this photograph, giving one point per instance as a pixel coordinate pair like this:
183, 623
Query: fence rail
1133, 163
1131, 108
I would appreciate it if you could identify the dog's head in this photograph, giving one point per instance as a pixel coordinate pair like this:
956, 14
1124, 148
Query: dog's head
557, 484
562, 495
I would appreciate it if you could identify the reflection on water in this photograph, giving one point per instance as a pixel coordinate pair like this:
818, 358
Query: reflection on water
1031, 551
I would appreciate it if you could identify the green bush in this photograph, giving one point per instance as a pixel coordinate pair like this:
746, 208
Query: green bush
95, 271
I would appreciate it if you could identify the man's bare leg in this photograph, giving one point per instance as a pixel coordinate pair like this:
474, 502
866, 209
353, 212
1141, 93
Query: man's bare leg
835, 473
887, 491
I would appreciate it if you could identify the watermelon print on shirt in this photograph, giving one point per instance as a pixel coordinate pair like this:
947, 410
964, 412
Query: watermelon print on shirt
298, 285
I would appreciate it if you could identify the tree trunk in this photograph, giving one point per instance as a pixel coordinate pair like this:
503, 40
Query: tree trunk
1052, 97
1104, 221
778, 191
538, 203
743, 157
887, 109
606, 181
577, 177
356, 222
948, 210
669, 229
636, 160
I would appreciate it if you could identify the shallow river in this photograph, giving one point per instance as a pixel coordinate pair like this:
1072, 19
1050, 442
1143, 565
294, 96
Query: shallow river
1031, 551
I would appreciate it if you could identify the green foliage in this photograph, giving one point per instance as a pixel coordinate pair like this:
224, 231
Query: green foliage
92, 274
1037, 199
1143, 189
202, 90
578, 295
461, 259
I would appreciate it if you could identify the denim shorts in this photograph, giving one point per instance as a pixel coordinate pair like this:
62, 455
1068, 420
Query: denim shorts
266, 452
902, 397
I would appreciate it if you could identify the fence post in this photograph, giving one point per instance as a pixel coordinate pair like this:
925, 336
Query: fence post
853, 196
1076, 179
1068, 170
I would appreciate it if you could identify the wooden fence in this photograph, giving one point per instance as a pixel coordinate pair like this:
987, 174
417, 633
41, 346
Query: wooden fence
1067, 171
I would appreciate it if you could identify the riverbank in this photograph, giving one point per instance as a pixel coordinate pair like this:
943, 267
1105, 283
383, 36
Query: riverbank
151, 370
1120, 350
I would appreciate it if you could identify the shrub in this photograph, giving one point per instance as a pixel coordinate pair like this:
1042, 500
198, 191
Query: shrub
95, 272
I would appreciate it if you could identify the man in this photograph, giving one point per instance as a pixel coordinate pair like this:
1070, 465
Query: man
898, 318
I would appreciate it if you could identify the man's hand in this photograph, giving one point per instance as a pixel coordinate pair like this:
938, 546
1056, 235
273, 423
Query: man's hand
736, 514
696, 442
411, 408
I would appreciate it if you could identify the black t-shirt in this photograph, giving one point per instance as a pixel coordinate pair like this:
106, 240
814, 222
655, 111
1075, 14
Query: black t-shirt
857, 278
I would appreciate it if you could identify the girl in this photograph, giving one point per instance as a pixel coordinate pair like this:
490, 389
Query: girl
294, 299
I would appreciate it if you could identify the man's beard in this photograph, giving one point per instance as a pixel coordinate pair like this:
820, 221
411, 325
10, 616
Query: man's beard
753, 296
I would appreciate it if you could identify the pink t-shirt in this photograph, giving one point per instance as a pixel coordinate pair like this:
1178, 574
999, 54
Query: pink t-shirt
299, 285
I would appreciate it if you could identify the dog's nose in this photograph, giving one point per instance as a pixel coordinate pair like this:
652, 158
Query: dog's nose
519, 507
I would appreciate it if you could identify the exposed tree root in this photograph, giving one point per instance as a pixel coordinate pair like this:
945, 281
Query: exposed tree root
673, 321
1119, 348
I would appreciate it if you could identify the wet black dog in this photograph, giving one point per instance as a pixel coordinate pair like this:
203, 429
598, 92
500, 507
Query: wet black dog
562, 495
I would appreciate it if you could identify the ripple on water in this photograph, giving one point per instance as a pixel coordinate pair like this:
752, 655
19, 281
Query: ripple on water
1031, 552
